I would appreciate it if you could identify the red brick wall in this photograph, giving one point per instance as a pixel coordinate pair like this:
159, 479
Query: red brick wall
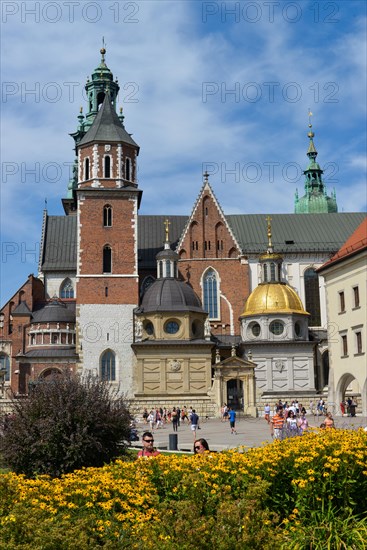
127, 152
209, 243
234, 285
94, 237
120, 290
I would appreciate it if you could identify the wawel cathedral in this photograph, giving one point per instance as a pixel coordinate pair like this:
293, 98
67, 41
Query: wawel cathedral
194, 310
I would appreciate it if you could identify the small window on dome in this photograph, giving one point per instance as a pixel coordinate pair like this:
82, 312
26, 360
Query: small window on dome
195, 328
171, 327
298, 328
149, 328
276, 328
255, 329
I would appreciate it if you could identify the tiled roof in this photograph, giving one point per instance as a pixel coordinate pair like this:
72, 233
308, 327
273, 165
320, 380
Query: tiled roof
354, 244
151, 235
55, 312
107, 127
60, 244
295, 232
291, 233
22, 309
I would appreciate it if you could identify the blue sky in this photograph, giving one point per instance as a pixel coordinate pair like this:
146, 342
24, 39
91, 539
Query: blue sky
219, 85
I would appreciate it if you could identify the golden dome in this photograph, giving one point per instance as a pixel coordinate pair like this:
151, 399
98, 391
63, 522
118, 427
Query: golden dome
273, 298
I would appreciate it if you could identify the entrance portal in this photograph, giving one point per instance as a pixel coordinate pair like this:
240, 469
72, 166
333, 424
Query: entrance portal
235, 394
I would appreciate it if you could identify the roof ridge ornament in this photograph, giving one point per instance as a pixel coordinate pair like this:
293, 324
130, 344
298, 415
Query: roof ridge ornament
103, 50
166, 224
270, 244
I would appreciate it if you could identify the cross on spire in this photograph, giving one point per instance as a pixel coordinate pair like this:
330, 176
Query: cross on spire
268, 219
166, 224
206, 177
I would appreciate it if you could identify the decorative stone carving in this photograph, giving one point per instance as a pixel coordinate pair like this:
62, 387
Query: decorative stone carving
138, 330
175, 365
279, 365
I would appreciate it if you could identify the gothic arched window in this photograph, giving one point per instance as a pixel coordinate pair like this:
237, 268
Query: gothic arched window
107, 259
108, 366
107, 216
107, 166
312, 297
67, 289
5, 364
210, 291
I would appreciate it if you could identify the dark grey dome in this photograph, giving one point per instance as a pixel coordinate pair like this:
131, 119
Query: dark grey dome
55, 312
167, 254
170, 295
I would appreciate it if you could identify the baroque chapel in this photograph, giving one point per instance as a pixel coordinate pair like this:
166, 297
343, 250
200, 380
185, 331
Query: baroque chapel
192, 310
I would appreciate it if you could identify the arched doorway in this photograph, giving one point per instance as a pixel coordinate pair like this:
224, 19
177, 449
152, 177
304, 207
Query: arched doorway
235, 394
348, 387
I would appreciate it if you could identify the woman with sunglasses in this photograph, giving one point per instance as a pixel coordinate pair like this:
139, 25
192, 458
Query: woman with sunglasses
200, 446
148, 446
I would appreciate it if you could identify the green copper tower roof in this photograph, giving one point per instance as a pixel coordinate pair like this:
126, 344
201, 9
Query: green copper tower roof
315, 199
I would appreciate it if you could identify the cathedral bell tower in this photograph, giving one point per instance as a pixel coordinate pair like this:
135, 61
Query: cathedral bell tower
315, 199
108, 199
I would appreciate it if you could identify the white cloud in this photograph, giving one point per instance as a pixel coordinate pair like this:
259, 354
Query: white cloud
168, 54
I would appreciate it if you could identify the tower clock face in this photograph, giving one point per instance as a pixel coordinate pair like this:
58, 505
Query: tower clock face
171, 327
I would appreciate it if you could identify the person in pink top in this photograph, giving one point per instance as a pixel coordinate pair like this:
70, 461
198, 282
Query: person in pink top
148, 449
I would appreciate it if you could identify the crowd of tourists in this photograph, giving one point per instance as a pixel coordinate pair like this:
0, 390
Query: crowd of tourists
161, 416
289, 420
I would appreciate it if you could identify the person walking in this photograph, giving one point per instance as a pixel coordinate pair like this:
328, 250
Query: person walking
267, 412
194, 419
277, 424
174, 418
232, 420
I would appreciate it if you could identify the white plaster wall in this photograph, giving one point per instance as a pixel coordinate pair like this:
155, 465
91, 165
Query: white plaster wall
108, 326
296, 374
342, 278
53, 282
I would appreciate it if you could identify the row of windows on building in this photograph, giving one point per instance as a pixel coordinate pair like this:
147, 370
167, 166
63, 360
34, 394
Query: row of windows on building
107, 168
107, 366
211, 293
358, 344
355, 299
207, 245
44, 338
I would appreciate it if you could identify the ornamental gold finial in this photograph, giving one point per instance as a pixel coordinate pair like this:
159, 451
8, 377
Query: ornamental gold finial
166, 224
268, 219
310, 133
103, 49
81, 110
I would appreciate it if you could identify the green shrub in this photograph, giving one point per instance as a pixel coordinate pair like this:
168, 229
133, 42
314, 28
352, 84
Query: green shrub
67, 422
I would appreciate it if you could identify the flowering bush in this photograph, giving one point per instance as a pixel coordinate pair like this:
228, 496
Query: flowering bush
279, 495
66, 423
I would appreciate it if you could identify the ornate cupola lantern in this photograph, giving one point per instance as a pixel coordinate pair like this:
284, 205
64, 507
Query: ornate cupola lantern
167, 259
